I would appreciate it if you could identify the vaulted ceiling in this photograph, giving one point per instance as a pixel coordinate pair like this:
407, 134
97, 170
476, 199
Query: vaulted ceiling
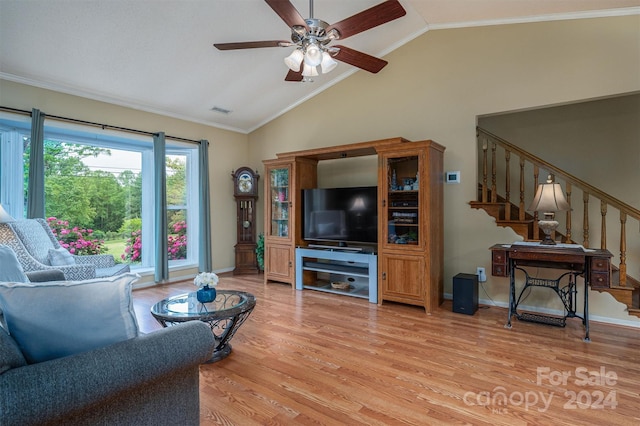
158, 55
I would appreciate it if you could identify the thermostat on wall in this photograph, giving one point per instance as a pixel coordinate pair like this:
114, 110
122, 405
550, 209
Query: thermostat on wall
452, 177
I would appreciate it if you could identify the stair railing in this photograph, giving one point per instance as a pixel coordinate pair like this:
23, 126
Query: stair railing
530, 165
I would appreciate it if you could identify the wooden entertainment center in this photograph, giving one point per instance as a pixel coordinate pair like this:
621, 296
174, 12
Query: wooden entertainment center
410, 222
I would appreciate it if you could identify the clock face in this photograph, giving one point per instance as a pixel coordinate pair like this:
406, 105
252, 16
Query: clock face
245, 183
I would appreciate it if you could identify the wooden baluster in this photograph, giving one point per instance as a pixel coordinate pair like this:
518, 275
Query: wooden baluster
603, 225
536, 230
521, 215
623, 249
494, 196
507, 188
485, 188
585, 219
568, 220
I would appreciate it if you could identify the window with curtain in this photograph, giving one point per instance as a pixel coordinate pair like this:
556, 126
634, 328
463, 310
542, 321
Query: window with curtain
99, 189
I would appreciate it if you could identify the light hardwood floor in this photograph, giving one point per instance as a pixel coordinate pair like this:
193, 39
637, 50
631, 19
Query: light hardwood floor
306, 357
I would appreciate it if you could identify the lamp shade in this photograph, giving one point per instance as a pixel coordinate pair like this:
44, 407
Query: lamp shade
309, 71
313, 55
294, 60
4, 216
549, 198
328, 64
358, 205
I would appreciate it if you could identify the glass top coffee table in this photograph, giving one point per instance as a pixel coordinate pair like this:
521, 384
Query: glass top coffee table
224, 315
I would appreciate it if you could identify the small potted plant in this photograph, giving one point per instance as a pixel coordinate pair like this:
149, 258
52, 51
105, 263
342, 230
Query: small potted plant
260, 252
206, 282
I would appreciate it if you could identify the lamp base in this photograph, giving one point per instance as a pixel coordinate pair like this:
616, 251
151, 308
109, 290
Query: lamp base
548, 227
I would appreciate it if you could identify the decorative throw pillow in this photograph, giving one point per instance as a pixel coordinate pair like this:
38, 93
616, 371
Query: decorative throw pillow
60, 318
11, 268
10, 355
60, 257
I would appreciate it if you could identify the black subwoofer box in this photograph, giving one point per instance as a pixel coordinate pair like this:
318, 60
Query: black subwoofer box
465, 294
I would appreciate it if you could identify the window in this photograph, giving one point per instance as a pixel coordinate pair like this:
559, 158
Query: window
15, 134
99, 187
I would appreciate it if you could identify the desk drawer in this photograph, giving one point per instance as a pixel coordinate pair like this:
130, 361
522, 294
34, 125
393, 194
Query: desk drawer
599, 280
600, 272
600, 264
499, 266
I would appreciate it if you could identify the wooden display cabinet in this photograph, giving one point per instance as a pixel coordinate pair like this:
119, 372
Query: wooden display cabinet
410, 216
284, 180
410, 227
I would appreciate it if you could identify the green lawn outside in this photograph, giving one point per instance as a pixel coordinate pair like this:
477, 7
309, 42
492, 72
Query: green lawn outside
116, 248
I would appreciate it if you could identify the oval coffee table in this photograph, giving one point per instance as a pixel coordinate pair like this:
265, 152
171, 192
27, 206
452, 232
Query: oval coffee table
224, 315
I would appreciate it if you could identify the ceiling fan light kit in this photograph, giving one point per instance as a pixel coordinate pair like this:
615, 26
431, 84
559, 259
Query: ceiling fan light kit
327, 64
312, 54
309, 71
294, 60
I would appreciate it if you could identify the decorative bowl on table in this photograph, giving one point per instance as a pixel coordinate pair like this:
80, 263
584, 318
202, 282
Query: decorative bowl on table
340, 285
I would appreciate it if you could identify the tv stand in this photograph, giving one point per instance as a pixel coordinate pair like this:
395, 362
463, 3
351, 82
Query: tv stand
317, 268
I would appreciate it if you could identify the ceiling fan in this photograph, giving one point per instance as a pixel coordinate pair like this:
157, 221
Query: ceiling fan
311, 38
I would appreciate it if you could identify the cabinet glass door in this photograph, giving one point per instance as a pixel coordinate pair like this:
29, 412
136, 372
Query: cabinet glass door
280, 202
403, 201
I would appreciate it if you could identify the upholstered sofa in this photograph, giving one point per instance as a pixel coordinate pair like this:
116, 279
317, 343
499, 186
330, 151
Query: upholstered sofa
71, 353
34, 244
152, 379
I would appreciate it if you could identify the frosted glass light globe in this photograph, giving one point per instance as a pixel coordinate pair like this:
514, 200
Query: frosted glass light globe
294, 60
313, 55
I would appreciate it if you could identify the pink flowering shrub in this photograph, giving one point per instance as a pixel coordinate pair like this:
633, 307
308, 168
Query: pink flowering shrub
133, 247
78, 241
176, 244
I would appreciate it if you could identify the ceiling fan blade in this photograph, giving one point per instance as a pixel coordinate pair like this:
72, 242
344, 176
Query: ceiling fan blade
359, 59
251, 44
294, 76
287, 12
369, 18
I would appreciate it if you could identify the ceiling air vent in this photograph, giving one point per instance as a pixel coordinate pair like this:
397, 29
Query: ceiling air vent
221, 110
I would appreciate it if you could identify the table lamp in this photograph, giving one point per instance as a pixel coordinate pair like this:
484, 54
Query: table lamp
549, 199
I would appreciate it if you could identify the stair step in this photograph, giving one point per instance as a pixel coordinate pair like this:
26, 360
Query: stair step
496, 210
630, 296
634, 311
524, 228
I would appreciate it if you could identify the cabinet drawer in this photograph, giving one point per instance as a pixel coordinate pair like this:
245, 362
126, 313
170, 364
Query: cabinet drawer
499, 263
600, 272
600, 264
599, 279
499, 270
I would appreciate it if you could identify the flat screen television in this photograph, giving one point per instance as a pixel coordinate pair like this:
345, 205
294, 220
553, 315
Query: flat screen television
343, 215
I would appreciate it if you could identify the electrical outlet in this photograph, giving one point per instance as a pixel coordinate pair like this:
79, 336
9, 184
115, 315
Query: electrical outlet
480, 272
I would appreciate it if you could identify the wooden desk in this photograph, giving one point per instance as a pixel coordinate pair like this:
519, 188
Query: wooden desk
592, 264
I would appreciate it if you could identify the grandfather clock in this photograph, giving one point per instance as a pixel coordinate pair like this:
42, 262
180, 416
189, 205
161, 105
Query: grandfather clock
245, 191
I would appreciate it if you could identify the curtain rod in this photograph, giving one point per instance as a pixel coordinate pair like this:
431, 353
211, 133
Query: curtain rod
102, 126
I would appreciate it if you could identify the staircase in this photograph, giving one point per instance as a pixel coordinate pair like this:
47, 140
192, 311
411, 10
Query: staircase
494, 196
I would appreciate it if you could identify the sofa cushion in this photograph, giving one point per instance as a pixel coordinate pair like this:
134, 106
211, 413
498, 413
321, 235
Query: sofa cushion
10, 355
59, 318
35, 238
117, 269
11, 268
45, 275
60, 257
